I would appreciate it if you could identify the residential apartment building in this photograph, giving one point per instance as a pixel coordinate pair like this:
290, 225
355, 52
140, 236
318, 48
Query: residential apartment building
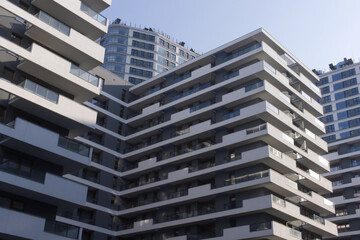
340, 100
48, 48
138, 54
224, 146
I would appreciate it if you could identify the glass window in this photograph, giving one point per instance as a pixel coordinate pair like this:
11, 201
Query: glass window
327, 109
181, 52
161, 59
330, 138
345, 84
118, 30
173, 57
344, 74
330, 128
115, 58
114, 39
327, 119
322, 81
172, 65
161, 51
325, 90
115, 48
144, 36
142, 54
325, 99
143, 45
173, 48
181, 61
162, 42
346, 93
135, 80
114, 67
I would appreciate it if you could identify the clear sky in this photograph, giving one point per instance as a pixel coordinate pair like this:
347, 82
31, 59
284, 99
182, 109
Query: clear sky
317, 32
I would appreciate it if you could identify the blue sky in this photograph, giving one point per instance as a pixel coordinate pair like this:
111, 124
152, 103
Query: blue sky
317, 32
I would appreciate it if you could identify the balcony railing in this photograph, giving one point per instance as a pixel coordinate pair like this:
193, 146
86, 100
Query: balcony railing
84, 75
61, 229
98, 17
260, 226
179, 79
254, 86
242, 51
33, 174
187, 214
249, 177
231, 115
54, 22
231, 75
189, 92
40, 90
256, 129
74, 146
200, 106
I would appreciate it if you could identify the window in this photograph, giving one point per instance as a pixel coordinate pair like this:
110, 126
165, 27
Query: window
327, 119
144, 36
117, 67
143, 45
348, 103
115, 48
349, 124
345, 84
140, 72
118, 30
344, 74
8, 74
346, 93
173, 57
115, 58
330, 128
142, 54
330, 138
141, 63
327, 108
173, 48
325, 99
181, 52
135, 81
325, 90
172, 65
322, 81
351, 133
162, 42
114, 39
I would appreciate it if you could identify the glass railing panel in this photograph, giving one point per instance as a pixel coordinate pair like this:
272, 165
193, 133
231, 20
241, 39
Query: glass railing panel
200, 106
231, 115
185, 76
98, 17
189, 92
231, 75
40, 90
278, 201
295, 233
260, 226
84, 75
242, 51
74, 146
54, 22
254, 86
61, 229
256, 129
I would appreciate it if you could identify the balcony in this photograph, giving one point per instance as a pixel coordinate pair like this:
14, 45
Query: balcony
57, 72
98, 5
72, 14
35, 99
33, 227
32, 139
58, 37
